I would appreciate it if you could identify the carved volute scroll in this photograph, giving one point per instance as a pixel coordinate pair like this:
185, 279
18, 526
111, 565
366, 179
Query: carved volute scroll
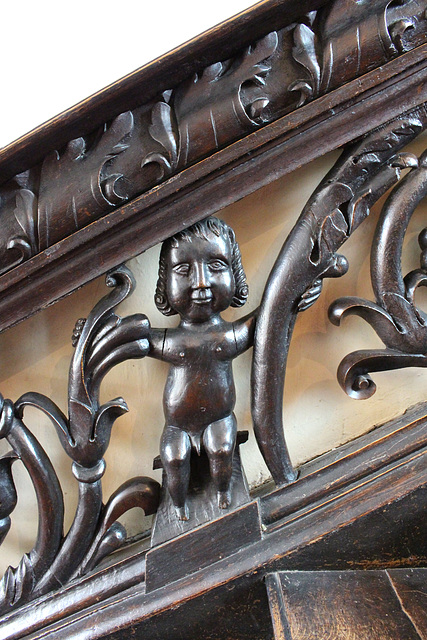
101, 341
396, 318
341, 202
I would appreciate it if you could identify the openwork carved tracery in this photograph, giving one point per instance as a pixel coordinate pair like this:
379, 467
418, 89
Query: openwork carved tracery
365, 171
166, 158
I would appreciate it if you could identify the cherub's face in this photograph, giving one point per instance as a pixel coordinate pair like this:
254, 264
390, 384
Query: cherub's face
200, 282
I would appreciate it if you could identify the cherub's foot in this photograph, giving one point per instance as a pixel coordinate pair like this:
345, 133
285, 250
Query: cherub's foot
224, 499
182, 513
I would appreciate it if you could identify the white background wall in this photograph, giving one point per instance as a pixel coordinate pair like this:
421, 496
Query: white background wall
35, 355
56, 54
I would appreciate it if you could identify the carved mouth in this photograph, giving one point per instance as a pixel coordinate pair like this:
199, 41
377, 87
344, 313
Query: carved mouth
201, 296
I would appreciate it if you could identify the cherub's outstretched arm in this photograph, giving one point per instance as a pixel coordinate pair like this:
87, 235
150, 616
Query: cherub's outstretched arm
157, 341
244, 330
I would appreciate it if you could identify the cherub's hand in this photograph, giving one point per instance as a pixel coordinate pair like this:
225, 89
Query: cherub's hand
310, 296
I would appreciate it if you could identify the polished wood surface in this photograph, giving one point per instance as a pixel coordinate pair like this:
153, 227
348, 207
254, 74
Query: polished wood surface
221, 117
342, 605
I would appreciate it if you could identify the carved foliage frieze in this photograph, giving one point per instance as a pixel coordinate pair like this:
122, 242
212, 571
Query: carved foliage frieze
349, 38
221, 103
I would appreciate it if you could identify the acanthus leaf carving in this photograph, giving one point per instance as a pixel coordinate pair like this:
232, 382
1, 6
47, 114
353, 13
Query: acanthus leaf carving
333, 49
140, 492
206, 112
304, 52
365, 171
162, 130
225, 100
24, 245
89, 166
102, 340
18, 583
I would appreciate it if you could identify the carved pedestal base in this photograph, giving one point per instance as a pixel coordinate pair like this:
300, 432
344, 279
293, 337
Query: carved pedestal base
202, 500
202, 546
183, 547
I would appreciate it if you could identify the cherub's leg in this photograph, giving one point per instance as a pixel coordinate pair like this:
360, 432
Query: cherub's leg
219, 440
175, 452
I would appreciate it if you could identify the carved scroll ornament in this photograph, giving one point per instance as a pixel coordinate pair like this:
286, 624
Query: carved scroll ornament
102, 341
365, 171
219, 104
395, 316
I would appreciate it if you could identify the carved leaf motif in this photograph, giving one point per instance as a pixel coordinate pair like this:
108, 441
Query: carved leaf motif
104, 341
304, 52
50, 409
17, 583
141, 492
92, 168
225, 100
398, 30
113, 539
395, 318
211, 102
25, 212
162, 131
363, 173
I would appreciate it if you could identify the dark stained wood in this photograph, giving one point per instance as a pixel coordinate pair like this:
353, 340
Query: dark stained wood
335, 471
202, 500
373, 523
101, 341
214, 183
218, 43
361, 508
203, 546
276, 601
339, 605
208, 110
411, 590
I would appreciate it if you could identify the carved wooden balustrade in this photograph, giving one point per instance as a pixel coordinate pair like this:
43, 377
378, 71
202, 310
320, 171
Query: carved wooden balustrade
142, 161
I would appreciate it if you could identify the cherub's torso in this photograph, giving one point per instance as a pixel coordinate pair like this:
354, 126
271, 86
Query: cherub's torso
200, 388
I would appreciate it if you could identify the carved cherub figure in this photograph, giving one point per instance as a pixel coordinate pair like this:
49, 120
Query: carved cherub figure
200, 275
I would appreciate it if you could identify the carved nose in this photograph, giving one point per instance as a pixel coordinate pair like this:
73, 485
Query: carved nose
200, 276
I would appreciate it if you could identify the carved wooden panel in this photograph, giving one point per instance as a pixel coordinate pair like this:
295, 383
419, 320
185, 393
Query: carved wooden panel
344, 73
217, 104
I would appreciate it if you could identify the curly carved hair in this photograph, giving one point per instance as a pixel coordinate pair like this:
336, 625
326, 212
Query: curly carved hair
203, 229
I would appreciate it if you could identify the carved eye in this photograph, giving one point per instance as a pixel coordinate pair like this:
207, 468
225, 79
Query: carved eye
217, 265
182, 269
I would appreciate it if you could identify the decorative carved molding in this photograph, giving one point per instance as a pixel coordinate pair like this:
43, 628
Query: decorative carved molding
216, 106
364, 172
359, 507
